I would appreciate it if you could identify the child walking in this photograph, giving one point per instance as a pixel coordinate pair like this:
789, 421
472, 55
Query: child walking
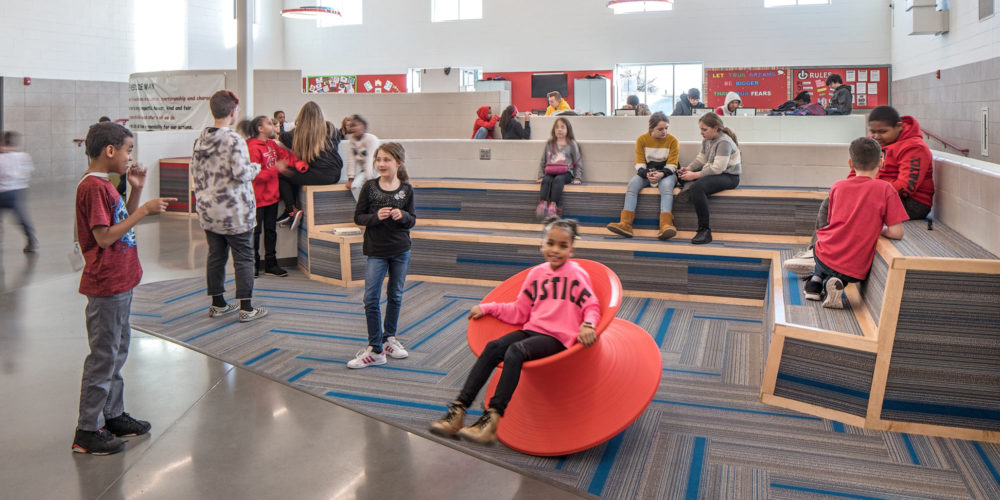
359, 162
222, 174
15, 172
111, 270
551, 322
385, 208
561, 163
266, 155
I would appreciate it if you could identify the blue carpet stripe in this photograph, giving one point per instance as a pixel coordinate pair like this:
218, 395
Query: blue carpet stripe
297, 376
739, 410
143, 315
661, 332
185, 315
305, 299
524, 264
697, 464
604, 466
933, 409
909, 448
696, 257
823, 385
320, 335
384, 367
439, 330
823, 492
720, 318
642, 310
678, 370
439, 209
429, 316
213, 330
838, 427
261, 356
794, 289
739, 273
196, 292
289, 308
986, 461
395, 402
299, 292
459, 297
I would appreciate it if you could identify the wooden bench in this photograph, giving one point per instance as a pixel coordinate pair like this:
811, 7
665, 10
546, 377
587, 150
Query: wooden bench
917, 350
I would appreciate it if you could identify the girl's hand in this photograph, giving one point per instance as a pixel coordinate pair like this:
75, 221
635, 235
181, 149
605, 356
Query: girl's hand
384, 213
654, 176
587, 335
577, 181
350, 180
136, 177
475, 312
396, 214
538, 180
527, 116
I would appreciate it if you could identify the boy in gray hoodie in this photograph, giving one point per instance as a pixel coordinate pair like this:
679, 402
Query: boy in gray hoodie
222, 174
841, 101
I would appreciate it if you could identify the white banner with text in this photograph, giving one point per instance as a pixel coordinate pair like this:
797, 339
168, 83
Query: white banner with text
172, 102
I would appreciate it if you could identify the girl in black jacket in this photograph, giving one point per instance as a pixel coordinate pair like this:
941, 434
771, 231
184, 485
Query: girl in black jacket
313, 141
511, 128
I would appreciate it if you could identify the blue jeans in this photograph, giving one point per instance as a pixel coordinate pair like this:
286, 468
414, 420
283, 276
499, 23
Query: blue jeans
666, 187
481, 133
375, 269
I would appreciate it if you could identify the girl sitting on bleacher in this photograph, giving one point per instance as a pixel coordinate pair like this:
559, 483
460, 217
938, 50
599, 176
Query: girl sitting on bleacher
717, 167
655, 165
561, 163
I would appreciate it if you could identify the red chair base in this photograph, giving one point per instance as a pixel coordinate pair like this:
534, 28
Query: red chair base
580, 401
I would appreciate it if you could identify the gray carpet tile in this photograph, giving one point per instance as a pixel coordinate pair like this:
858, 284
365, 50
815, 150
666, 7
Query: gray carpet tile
705, 435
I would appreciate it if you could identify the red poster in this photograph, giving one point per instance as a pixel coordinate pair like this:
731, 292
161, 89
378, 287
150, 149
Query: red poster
381, 84
761, 88
869, 84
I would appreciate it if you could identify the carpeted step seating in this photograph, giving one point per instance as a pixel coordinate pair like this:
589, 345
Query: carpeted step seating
583, 396
924, 355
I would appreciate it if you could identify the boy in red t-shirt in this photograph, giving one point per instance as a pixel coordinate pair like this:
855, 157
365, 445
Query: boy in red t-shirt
111, 270
861, 208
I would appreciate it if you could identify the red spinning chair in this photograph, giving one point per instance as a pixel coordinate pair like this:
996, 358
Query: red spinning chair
583, 396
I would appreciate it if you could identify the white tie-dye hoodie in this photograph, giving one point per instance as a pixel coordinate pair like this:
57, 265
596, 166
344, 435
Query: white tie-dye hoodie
222, 175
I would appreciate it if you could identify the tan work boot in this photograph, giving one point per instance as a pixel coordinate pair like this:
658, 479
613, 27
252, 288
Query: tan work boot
667, 229
451, 423
484, 430
623, 227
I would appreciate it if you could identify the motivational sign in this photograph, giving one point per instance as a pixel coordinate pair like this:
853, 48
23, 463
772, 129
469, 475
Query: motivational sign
761, 88
869, 84
172, 102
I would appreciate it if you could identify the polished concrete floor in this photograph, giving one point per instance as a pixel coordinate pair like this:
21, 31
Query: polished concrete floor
218, 431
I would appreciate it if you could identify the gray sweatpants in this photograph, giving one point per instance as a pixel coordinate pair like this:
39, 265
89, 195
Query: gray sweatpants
109, 334
219, 247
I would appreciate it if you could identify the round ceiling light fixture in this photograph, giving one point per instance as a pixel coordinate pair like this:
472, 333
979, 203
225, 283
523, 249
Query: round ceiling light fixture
630, 6
311, 12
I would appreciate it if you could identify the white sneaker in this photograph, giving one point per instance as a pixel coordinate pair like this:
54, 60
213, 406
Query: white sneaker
367, 358
393, 348
216, 311
802, 263
834, 294
253, 314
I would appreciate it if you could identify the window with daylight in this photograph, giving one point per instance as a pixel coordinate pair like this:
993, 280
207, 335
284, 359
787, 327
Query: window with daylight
785, 3
656, 85
456, 10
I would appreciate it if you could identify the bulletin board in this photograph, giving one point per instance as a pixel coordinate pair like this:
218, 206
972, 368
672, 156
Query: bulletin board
381, 84
331, 84
761, 88
869, 84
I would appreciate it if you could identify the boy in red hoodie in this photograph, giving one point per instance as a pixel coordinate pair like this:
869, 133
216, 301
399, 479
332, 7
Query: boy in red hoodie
483, 129
266, 153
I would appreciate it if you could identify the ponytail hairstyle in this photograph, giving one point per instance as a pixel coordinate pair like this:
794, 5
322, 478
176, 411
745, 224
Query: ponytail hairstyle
715, 121
568, 225
311, 134
507, 116
398, 153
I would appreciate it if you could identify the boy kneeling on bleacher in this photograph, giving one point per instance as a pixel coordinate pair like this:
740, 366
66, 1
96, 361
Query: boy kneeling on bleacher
861, 208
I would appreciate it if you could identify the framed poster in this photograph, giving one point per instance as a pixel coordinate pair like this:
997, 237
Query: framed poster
761, 88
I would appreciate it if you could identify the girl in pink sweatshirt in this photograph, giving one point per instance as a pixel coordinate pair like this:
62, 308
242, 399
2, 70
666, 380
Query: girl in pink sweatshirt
556, 308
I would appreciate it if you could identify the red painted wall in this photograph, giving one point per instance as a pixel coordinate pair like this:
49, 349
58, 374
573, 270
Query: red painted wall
520, 86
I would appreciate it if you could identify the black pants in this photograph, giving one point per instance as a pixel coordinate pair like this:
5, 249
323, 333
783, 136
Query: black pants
709, 184
267, 218
287, 185
513, 350
552, 187
219, 247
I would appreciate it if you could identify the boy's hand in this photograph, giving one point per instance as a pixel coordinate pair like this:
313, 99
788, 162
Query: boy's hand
384, 213
475, 312
136, 176
158, 205
587, 335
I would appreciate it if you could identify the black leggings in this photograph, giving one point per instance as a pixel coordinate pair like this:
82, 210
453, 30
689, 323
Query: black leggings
709, 184
513, 350
266, 221
287, 185
552, 187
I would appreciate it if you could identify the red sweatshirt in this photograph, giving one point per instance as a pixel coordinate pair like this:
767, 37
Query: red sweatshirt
909, 164
483, 112
553, 302
266, 154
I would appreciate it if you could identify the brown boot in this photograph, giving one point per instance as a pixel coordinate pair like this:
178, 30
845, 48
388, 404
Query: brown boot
624, 227
451, 423
484, 430
667, 229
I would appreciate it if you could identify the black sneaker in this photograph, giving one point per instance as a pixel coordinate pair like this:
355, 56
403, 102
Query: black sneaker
275, 270
101, 442
124, 425
703, 236
285, 219
814, 288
